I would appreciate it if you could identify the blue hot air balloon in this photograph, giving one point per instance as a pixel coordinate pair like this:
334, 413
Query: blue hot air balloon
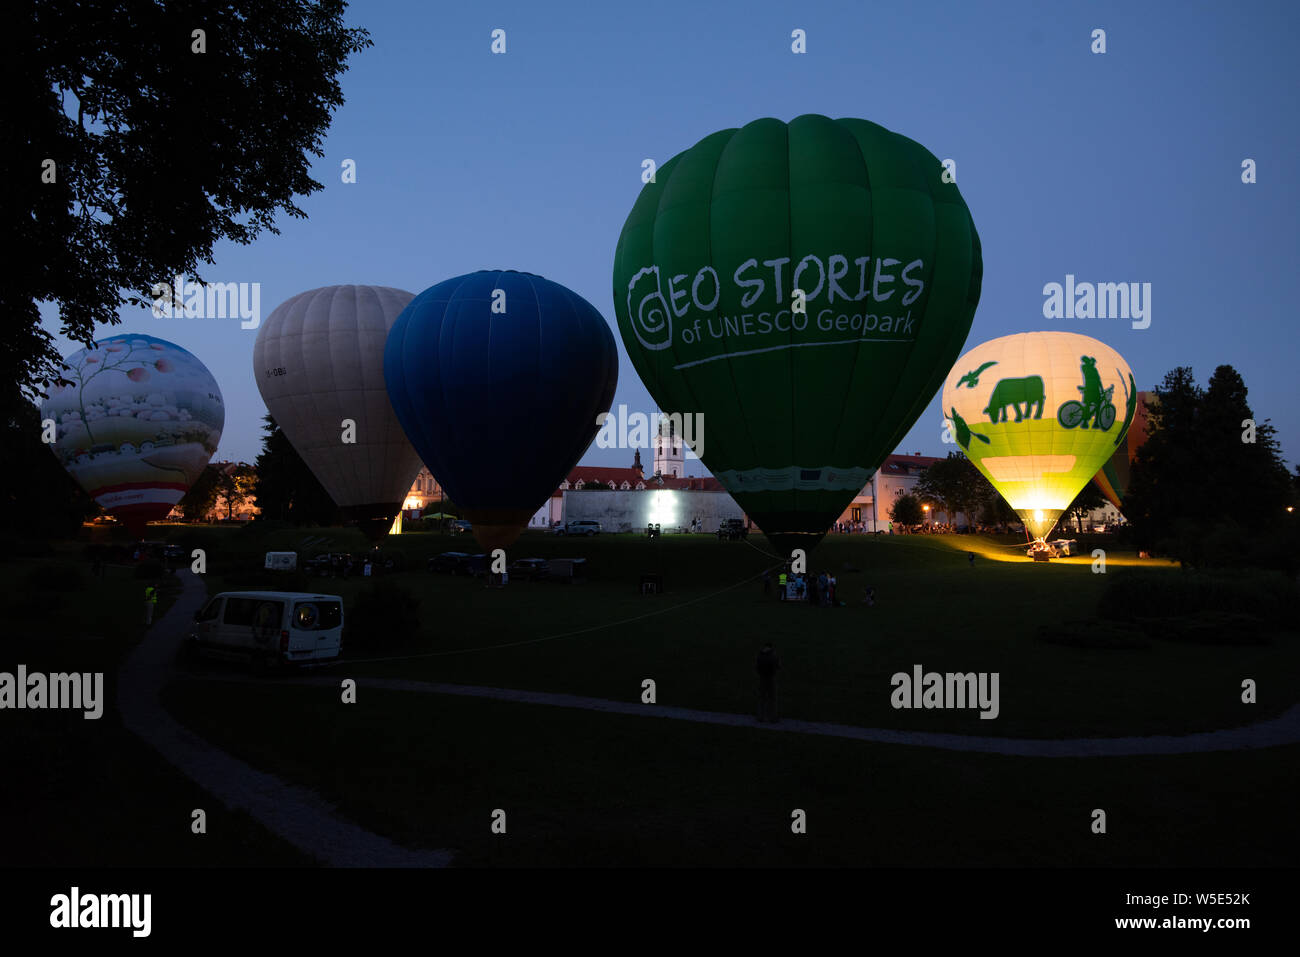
498, 377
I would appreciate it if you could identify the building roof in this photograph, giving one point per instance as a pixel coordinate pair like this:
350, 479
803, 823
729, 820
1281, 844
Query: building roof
696, 483
607, 474
907, 464
617, 476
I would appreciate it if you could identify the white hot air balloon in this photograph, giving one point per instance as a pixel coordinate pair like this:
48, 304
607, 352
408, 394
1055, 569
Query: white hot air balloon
319, 360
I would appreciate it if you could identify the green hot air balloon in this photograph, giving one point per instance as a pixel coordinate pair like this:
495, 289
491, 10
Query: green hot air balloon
803, 396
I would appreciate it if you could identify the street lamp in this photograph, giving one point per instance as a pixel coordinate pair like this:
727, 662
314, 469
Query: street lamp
926, 509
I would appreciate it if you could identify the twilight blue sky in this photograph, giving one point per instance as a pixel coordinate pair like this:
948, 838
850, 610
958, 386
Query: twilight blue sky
1117, 167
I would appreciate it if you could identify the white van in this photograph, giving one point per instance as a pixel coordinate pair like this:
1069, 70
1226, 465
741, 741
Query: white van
282, 561
269, 629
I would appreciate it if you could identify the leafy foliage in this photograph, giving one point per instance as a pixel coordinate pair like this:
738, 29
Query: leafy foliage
954, 485
37, 495
286, 489
1198, 462
1089, 499
202, 495
906, 510
103, 90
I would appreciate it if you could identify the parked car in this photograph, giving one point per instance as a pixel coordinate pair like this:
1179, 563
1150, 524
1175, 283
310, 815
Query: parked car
556, 528
450, 563
461, 525
144, 551
567, 569
268, 630
732, 528
582, 527
383, 561
529, 569
330, 564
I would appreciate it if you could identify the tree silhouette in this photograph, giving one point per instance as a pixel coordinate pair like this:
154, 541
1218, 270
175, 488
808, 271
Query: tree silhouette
102, 200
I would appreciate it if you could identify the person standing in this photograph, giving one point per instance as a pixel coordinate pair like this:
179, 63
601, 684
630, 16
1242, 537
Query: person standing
833, 583
150, 603
781, 583
767, 664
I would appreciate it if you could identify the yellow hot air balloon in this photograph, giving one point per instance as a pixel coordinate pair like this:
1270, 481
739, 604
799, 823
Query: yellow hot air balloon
1039, 413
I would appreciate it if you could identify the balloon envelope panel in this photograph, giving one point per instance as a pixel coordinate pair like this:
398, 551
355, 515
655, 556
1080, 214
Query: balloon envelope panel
1038, 413
800, 407
1114, 477
137, 425
498, 377
318, 360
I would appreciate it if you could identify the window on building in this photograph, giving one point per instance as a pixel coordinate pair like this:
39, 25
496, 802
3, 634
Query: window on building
857, 514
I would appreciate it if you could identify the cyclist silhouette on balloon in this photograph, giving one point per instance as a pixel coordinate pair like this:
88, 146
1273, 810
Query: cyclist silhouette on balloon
1096, 411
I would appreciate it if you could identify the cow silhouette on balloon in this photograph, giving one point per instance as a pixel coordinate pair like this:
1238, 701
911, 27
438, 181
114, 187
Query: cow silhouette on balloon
1027, 392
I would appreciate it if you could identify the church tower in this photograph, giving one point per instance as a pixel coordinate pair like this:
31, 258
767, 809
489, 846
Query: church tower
670, 456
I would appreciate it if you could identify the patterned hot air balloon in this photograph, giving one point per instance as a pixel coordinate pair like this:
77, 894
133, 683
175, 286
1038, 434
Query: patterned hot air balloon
136, 426
1038, 413
498, 378
804, 287
318, 360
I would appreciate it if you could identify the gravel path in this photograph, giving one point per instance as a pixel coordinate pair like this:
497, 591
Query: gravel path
1282, 730
296, 814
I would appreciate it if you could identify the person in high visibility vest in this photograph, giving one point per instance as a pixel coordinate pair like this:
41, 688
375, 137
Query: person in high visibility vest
150, 602
780, 581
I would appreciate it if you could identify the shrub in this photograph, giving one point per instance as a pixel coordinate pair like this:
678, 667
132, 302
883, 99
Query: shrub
1227, 544
67, 578
1210, 628
1145, 596
21, 546
1094, 634
258, 529
385, 615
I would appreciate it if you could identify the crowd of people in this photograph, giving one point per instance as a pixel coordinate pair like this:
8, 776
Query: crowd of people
816, 588
925, 528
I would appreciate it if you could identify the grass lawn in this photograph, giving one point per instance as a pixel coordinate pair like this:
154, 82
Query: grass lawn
698, 641
583, 788
79, 791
